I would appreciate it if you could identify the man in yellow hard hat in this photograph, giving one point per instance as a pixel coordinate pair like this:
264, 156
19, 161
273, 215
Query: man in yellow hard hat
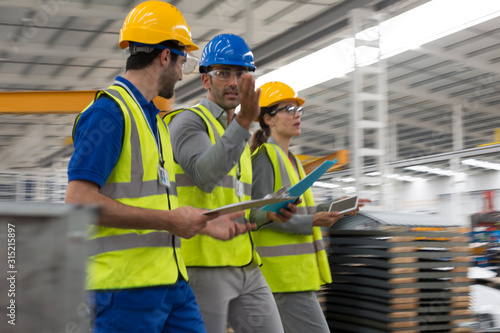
123, 162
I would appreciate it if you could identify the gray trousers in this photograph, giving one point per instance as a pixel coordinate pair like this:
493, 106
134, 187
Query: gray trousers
300, 312
239, 296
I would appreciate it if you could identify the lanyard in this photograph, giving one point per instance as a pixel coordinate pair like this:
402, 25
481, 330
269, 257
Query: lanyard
157, 137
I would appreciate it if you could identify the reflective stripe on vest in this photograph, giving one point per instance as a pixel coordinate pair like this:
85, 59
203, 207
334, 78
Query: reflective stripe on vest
128, 190
291, 249
226, 181
202, 250
307, 206
129, 258
131, 189
291, 262
129, 241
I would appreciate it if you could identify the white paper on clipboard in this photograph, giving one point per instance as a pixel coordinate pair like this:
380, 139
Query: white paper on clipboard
236, 207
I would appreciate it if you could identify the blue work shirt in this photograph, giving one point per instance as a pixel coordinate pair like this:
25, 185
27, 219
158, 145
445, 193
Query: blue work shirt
99, 134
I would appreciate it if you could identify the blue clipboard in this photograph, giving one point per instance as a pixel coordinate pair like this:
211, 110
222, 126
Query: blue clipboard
298, 189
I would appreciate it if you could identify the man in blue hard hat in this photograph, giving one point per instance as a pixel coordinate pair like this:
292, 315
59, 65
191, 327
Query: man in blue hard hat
210, 145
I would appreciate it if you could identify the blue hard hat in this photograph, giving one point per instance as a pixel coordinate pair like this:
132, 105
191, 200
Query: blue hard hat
227, 49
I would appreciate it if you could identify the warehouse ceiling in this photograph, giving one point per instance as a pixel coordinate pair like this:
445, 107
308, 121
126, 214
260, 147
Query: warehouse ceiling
72, 45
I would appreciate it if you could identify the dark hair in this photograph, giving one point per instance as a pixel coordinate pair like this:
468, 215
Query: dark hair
261, 135
141, 60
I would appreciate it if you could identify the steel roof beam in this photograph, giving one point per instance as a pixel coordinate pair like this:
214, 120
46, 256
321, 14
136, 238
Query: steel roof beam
42, 50
484, 66
444, 157
82, 10
296, 38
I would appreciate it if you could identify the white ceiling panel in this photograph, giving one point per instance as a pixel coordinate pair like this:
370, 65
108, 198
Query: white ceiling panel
75, 47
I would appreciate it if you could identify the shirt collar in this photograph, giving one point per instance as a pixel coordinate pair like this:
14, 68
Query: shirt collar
146, 106
271, 140
219, 113
214, 108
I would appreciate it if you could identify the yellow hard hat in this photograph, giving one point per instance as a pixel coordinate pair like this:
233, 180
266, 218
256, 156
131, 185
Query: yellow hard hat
153, 22
274, 92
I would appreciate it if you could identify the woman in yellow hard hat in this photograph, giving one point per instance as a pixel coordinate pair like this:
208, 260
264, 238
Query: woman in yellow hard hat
294, 261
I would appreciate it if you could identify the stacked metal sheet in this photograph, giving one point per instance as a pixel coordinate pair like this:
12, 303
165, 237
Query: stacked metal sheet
397, 273
44, 266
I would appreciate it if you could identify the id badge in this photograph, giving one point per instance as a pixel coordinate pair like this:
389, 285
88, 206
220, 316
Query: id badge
238, 188
163, 176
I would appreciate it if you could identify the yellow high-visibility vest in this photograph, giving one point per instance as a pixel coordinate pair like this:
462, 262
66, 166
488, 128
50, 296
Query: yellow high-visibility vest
202, 250
291, 262
130, 258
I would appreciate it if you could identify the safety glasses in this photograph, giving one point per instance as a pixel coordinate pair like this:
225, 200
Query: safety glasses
190, 61
290, 109
225, 74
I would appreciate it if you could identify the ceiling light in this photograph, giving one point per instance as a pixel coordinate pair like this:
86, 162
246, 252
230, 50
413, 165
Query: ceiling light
436, 171
400, 33
406, 178
481, 164
348, 180
325, 185
423, 24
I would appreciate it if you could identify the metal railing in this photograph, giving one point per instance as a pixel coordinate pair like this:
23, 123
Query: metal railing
33, 186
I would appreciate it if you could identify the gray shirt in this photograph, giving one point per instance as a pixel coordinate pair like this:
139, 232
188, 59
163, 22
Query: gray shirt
206, 164
263, 184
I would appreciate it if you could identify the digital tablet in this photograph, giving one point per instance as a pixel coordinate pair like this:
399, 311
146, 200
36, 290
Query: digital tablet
344, 205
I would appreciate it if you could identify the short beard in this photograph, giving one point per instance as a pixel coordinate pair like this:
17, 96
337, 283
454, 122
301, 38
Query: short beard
167, 82
220, 98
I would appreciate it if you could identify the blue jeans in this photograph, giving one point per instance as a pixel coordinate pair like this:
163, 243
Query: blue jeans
171, 309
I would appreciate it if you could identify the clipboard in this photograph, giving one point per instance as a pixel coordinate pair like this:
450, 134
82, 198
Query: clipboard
298, 189
236, 207
344, 205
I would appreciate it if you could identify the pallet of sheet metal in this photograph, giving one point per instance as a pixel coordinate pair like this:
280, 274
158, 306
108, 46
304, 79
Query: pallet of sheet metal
397, 273
322, 297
